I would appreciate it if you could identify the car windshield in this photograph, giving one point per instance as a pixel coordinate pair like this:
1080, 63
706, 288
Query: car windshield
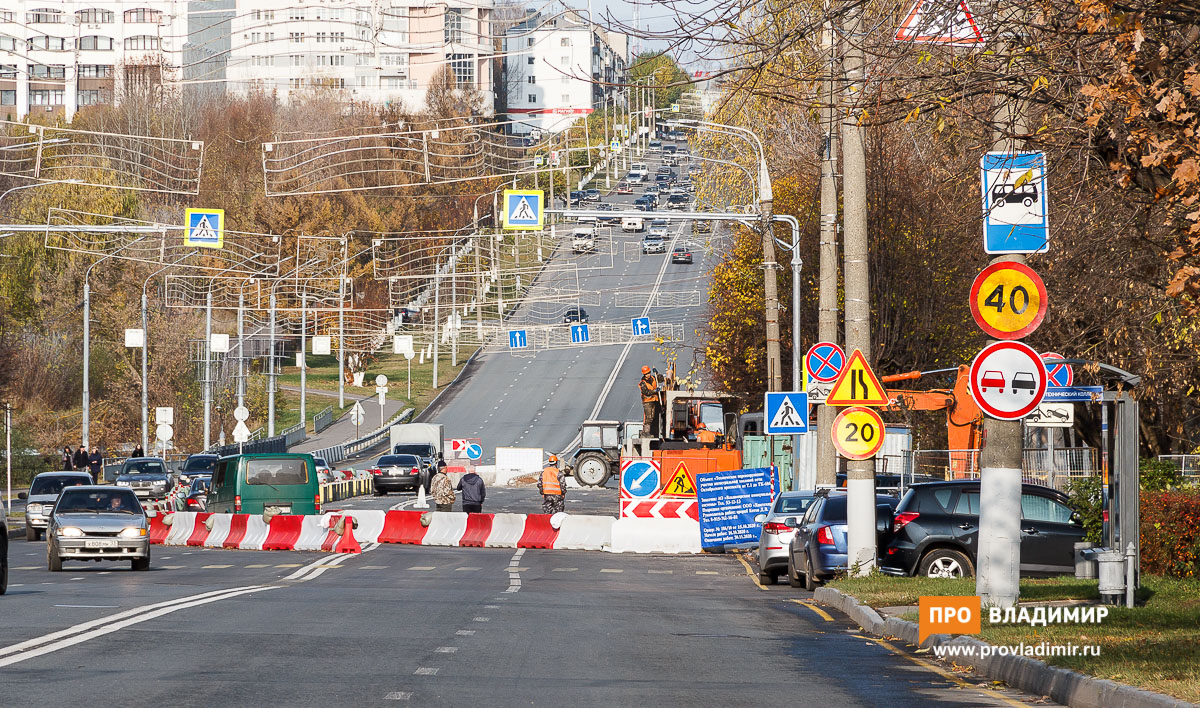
111, 501
143, 467
275, 472
417, 449
55, 484
200, 484
792, 505
320, 462
200, 464
399, 461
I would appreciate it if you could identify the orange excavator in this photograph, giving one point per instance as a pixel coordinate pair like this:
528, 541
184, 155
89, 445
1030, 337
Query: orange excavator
964, 420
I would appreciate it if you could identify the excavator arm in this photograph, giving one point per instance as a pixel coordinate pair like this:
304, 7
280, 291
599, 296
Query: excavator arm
964, 420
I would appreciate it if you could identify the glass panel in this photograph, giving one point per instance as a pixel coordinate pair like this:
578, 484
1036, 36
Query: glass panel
1039, 508
276, 472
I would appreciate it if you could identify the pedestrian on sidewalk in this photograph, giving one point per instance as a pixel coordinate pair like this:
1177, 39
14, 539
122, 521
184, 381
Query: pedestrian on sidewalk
553, 487
443, 491
138, 451
96, 464
68, 459
81, 458
473, 492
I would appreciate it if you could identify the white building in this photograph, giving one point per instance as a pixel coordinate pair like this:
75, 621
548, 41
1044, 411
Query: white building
558, 68
58, 55
377, 52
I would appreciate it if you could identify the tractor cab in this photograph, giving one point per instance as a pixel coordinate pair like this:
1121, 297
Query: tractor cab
600, 446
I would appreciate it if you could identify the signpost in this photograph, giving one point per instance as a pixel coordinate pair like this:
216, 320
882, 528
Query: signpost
579, 334
205, 228
382, 389
517, 339
1008, 300
641, 326
241, 433
1008, 380
940, 22
1052, 415
858, 433
357, 416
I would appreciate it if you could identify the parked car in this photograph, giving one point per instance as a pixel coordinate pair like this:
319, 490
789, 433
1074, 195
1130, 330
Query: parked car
575, 314
200, 463
818, 550
276, 483
393, 473
324, 474
775, 535
624, 187
98, 523
681, 254
653, 244
197, 495
148, 477
936, 527
39, 500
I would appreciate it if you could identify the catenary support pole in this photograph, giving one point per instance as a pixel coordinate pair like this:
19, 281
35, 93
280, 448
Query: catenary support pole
208, 369
827, 288
241, 329
271, 371
302, 356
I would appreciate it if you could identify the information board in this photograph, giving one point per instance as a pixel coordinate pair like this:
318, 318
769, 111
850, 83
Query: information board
729, 501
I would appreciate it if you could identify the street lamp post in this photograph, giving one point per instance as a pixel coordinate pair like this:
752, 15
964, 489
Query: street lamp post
146, 347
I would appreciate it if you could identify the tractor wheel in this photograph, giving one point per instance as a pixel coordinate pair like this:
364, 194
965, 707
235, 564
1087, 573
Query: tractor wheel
591, 469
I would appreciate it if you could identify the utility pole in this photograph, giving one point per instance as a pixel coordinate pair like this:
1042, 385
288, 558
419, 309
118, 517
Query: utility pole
771, 290
437, 282
208, 369
860, 474
271, 370
827, 297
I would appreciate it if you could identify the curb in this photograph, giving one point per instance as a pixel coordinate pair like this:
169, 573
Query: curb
1032, 676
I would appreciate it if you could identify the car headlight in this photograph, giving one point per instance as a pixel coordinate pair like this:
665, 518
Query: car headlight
70, 532
121, 483
133, 532
34, 508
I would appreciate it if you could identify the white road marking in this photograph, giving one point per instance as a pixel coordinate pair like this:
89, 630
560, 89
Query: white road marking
422, 567
467, 568
465, 632
398, 696
611, 570
706, 572
426, 671
482, 619
90, 607
445, 650
564, 570
661, 572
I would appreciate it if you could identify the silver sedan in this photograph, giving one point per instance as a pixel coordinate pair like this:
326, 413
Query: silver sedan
775, 536
98, 523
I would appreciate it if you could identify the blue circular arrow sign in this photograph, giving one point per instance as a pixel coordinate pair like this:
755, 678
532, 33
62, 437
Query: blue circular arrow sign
474, 451
640, 479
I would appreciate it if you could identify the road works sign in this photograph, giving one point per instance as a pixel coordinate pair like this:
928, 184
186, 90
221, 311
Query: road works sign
857, 433
1008, 300
786, 413
940, 22
205, 228
1008, 380
524, 209
680, 484
857, 385
1014, 202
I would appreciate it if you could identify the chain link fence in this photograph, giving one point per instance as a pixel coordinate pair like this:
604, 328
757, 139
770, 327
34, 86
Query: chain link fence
1039, 466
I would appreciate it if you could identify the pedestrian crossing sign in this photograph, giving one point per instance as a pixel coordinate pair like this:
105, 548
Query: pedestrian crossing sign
523, 209
205, 228
857, 385
786, 413
680, 484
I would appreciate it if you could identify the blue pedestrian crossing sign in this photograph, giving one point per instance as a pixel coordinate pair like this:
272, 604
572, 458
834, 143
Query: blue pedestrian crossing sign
205, 228
639, 478
615, 145
786, 413
579, 334
524, 209
1014, 202
641, 326
517, 339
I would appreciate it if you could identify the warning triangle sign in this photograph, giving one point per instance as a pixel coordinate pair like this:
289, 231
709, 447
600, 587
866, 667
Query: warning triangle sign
940, 22
680, 484
857, 385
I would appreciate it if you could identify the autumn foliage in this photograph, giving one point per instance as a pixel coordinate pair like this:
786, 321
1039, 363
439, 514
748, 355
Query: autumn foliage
1171, 533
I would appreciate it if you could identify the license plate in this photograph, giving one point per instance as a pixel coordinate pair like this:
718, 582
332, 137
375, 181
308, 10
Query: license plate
101, 543
278, 509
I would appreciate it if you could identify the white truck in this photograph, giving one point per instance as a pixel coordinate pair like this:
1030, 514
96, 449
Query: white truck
633, 224
425, 440
583, 239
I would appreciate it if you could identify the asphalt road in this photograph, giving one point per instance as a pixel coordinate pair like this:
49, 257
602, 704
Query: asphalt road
440, 626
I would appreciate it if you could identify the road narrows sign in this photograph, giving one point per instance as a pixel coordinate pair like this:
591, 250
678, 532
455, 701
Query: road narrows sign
857, 385
1008, 380
1008, 300
858, 433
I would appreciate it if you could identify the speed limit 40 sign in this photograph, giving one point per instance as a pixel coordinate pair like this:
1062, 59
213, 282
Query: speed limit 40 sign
1008, 300
858, 433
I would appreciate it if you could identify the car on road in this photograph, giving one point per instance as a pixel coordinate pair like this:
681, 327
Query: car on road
98, 523
701, 226
605, 206
200, 463
678, 201
39, 500
818, 550
643, 203
583, 239
653, 189
653, 244
633, 224
669, 149
681, 254
935, 531
393, 473
274, 483
659, 231
635, 178
576, 196
197, 493
324, 474
575, 314
148, 477
591, 195
655, 147
775, 535
624, 187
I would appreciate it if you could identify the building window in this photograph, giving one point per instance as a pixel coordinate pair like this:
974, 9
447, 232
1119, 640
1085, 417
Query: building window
297, 60
394, 59
8, 71
529, 61
56, 44
532, 79
89, 97
564, 60
464, 68
141, 41
337, 37
532, 98
143, 14
95, 71
337, 14
453, 25
262, 61
566, 80
296, 14
395, 24
529, 42
44, 16
296, 83
295, 37
8, 44
322, 36
7, 16
8, 98
42, 71
395, 82
94, 16
362, 59
329, 83
43, 97
269, 37
95, 42
564, 42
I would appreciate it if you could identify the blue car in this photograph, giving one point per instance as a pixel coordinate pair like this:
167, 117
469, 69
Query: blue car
818, 550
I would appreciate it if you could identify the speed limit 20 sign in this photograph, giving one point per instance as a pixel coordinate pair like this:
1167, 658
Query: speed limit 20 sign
857, 433
1008, 300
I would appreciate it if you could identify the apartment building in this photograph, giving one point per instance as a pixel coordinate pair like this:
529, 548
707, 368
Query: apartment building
557, 68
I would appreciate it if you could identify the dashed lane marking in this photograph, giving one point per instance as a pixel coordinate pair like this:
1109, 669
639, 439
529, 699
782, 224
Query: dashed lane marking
445, 650
611, 570
423, 567
465, 632
398, 696
467, 568
481, 619
426, 671
373, 567
259, 565
214, 567
288, 565
660, 572
564, 570
707, 572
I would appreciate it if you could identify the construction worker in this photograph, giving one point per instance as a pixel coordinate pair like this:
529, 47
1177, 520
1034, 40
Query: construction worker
704, 436
648, 386
553, 487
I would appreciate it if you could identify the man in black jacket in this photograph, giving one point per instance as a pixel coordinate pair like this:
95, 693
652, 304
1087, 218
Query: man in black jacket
473, 492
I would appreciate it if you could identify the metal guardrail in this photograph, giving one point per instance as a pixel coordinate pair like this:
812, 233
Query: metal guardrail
323, 419
337, 453
294, 435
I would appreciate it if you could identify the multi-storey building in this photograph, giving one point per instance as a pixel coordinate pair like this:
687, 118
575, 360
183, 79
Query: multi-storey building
56, 56
557, 68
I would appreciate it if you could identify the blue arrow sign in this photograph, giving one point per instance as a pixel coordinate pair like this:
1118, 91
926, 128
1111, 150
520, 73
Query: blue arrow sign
474, 451
786, 413
579, 334
641, 325
517, 339
640, 479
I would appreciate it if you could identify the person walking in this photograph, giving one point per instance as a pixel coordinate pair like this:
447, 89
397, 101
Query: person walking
473, 492
95, 464
81, 458
553, 487
138, 451
648, 387
67, 463
443, 491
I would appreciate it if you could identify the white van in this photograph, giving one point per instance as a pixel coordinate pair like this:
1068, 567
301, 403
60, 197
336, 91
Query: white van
633, 223
583, 239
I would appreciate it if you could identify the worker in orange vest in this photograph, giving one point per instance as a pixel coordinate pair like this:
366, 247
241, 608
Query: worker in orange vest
648, 386
704, 436
553, 487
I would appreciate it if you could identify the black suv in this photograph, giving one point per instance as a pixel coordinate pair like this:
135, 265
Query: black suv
936, 527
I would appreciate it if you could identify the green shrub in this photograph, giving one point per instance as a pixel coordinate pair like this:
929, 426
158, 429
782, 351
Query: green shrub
1086, 500
1158, 475
1170, 533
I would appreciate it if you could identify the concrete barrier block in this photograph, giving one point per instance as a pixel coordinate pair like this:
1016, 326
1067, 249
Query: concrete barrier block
446, 528
633, 535
182, 524
507, 529
585, 533
219, 530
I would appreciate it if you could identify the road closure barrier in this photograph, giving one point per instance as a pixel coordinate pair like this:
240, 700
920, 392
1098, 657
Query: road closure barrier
630, 535
538, 532
402, 526
584, 533
446, 528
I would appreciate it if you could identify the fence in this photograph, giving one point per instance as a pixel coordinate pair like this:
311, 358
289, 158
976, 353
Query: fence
337, 453
323, 420
294, 435
1188, 466
1038, 466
